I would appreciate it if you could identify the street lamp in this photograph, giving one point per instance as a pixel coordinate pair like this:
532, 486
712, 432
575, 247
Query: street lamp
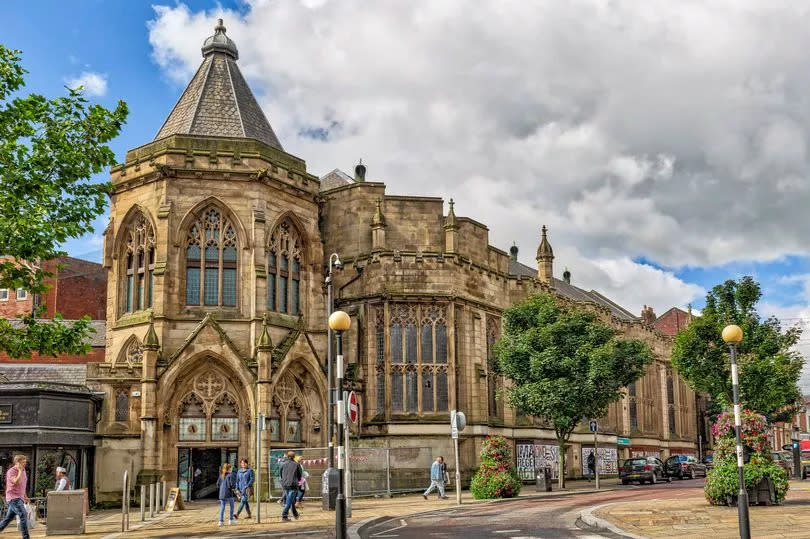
733, 335
339, 322
333, 258
797, 453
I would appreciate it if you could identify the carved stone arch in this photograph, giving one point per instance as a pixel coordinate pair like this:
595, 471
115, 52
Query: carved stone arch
298, 392
300, 227
130, 354
191, 405
132, 214
196, 214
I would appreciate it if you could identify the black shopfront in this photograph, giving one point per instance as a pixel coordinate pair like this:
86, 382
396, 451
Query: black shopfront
53, 425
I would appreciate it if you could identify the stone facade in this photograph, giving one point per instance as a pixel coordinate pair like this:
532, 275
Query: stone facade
216, 254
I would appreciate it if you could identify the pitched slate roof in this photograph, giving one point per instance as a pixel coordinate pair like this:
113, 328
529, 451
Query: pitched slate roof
218, 100
336, 178
44, 373
573, 292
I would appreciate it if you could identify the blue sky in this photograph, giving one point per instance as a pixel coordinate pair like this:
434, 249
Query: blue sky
628, 173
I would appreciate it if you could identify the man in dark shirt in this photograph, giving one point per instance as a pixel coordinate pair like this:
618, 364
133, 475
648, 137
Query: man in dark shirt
289, 473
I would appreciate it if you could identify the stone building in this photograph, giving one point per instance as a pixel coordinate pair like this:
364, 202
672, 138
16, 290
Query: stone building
216, 312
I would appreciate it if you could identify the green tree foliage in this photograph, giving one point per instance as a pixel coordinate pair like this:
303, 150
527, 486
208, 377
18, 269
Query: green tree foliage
565, 364
769, 369
49, 148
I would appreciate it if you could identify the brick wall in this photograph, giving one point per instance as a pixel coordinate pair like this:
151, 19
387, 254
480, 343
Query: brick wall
96, 355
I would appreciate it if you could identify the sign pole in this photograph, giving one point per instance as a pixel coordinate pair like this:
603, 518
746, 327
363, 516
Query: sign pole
258, 481
596, 460
454, 428
458, 474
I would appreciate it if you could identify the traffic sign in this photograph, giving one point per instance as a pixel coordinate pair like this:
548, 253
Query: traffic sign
354, 408
457, 423
594, 426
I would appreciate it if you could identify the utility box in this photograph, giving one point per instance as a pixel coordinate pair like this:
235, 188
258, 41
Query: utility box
67, 512
329, 489
544, 479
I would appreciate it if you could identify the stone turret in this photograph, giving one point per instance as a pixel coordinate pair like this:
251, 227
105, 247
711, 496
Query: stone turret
451, 230
545, 259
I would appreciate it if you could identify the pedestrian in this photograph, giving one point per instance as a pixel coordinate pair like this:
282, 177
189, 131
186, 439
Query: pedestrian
226, 486
303, 487
62, 481
244, 484
16, 482
436, 478
290, 473
591, 465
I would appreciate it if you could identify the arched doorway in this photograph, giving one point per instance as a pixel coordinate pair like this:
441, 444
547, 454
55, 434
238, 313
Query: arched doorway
207, 423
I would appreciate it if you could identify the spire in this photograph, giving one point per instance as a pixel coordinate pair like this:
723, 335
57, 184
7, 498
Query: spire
545, 258
544, 250
218, 101
150, 341
264, 342
379, 219
450, 220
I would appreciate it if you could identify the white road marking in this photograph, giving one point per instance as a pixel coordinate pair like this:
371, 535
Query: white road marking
380, 534
506, 531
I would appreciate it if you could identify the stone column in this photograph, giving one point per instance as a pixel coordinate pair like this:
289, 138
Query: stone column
149, 419
264, 358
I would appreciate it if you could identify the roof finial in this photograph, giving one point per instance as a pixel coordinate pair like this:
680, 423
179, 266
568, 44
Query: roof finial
360, 172
450, 220
378, 220
220, 27
544, 250
150, 340
264, 342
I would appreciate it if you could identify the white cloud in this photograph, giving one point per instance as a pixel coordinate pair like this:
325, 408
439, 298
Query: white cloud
94, 84
660, 129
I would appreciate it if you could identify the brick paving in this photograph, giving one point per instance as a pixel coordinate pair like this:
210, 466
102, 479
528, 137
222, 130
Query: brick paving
693, 516
200, 518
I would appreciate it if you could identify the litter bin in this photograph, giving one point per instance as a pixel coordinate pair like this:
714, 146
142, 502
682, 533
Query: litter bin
544, 479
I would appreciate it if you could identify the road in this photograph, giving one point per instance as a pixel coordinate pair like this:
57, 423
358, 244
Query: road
554, 516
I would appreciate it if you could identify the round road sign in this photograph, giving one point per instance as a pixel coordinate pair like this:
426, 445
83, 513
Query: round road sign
354, 408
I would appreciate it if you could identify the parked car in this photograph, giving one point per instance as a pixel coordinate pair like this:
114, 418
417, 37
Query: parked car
642, 469
684, 466
708, 461
784, 460
805, 463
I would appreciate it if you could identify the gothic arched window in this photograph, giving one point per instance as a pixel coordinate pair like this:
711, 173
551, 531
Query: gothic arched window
192, 419
633, 406
211, 248
225, 419
284, 252
139, 261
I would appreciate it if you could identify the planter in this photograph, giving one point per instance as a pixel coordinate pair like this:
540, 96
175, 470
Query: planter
762, 494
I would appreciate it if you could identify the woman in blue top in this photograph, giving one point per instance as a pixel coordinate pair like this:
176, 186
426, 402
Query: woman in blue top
226, 485
244, 484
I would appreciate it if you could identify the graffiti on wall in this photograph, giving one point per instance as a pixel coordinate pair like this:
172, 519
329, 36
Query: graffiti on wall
606, 461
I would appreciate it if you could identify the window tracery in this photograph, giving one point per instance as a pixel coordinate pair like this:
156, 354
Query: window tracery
211, 260
139, 265
284, 260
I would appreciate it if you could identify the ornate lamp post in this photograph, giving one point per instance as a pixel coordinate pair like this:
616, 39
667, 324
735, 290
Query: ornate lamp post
339, 322
733, 336
333, 259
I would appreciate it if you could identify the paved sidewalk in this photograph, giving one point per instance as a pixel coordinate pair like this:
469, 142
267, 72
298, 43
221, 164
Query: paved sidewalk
200, 518
695, 517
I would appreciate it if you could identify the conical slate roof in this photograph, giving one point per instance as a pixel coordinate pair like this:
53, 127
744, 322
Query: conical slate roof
218, 101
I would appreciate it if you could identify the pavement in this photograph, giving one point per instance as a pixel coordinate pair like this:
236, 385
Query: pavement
199, 518
691, 515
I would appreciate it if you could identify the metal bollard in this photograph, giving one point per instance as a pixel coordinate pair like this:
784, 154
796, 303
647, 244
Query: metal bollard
163, 497
143, 503
151, 500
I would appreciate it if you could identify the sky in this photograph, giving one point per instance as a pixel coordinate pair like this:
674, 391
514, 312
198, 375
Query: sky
664, 144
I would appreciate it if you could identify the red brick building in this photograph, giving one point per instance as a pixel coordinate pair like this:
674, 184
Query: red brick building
77, 288
672, 321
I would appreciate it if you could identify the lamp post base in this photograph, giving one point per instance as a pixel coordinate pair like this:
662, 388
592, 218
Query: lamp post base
340, 517
742, 513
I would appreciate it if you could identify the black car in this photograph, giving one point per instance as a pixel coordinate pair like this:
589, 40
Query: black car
642, 469
708, 460
684, 466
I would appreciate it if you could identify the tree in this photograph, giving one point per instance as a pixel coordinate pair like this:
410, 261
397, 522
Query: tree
565, 364
49, 148
769, 369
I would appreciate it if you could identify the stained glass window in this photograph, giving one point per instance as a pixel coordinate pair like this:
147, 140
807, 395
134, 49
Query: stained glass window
284, 280
412, 391
192, 429
214, 278
442, 404
224, 429
396, 342
410, 343
122, 405
441, 343
275, 429
396, 391
427, 390
140, 264
380, 390
427, 343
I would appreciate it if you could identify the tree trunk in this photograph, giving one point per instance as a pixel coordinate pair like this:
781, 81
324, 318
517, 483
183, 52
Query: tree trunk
561, 463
